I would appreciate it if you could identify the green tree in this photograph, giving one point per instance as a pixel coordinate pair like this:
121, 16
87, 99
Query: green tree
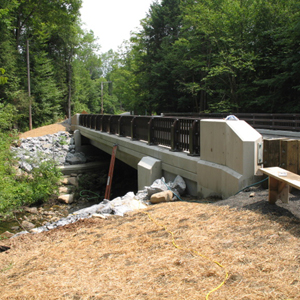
47, 97
3, 79
87, 71
153, 44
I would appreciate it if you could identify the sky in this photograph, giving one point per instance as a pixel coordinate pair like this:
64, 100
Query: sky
113, 20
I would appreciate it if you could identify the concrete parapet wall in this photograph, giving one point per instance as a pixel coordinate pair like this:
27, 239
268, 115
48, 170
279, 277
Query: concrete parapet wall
228, 162
229, 157
74, 122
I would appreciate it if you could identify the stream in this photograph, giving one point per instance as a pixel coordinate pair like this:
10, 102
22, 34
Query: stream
91, 191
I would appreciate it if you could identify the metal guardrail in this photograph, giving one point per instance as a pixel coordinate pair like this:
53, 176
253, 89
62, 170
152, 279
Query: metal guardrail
179, 134
288, 122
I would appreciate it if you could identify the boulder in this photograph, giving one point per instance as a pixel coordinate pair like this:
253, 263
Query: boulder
64, 190
6, 234
164, 196
32, 210
73, 181
27, 225
77, 158
68, 198
65, 180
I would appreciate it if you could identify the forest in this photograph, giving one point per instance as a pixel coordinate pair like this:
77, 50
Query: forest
187, 56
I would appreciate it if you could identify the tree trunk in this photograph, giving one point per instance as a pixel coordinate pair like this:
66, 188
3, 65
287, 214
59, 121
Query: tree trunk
69, 85
29, 88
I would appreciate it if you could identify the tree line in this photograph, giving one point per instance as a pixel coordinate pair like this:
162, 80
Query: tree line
187, 56
44, 40
213, 56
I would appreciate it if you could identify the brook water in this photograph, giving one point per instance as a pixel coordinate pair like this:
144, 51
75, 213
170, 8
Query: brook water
91, 191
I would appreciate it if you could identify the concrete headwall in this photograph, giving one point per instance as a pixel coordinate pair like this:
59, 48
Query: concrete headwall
229, 157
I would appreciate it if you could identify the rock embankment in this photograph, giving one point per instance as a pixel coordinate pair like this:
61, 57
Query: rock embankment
59, 147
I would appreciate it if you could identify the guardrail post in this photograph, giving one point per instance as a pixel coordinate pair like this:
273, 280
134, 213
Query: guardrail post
175, 136
194, 139
120, 123
89, 119
109, 129
80, 120
85, 120
99, 122
133, 128
151, 132
94, 120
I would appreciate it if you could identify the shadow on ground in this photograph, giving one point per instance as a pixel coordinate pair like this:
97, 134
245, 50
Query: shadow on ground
287, 214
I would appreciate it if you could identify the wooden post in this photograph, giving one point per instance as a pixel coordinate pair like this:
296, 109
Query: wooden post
278, 190
271, 155
110, 173
298, 157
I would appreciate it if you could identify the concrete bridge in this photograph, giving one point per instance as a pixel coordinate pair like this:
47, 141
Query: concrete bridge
231, 154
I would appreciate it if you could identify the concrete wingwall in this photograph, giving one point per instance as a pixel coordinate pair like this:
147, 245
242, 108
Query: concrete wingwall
230, 157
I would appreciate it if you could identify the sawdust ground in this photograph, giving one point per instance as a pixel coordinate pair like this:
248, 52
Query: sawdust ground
133, 257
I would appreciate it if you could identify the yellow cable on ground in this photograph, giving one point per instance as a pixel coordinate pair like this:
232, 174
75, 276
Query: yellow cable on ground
190, 250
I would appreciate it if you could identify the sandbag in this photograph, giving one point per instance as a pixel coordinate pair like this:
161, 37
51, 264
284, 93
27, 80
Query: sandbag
164, 196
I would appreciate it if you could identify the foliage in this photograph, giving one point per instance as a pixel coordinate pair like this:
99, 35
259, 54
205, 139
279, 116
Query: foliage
8, 116
18, 190
64, 61
3, 79
212, 55
188, 56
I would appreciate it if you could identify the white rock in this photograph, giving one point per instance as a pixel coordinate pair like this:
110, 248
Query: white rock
67, 198
64, 190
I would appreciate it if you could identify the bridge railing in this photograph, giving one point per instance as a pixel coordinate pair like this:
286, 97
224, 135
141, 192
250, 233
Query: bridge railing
179, 134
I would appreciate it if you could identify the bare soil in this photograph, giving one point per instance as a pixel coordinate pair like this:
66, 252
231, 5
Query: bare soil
175, 250
49, 129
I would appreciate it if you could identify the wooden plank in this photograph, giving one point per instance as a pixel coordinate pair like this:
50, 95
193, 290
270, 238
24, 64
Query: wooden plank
279, 182
291, 179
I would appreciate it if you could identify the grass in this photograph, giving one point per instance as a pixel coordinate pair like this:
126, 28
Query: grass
133, 257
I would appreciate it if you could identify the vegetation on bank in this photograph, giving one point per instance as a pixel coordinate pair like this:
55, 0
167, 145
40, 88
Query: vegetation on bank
25, 188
